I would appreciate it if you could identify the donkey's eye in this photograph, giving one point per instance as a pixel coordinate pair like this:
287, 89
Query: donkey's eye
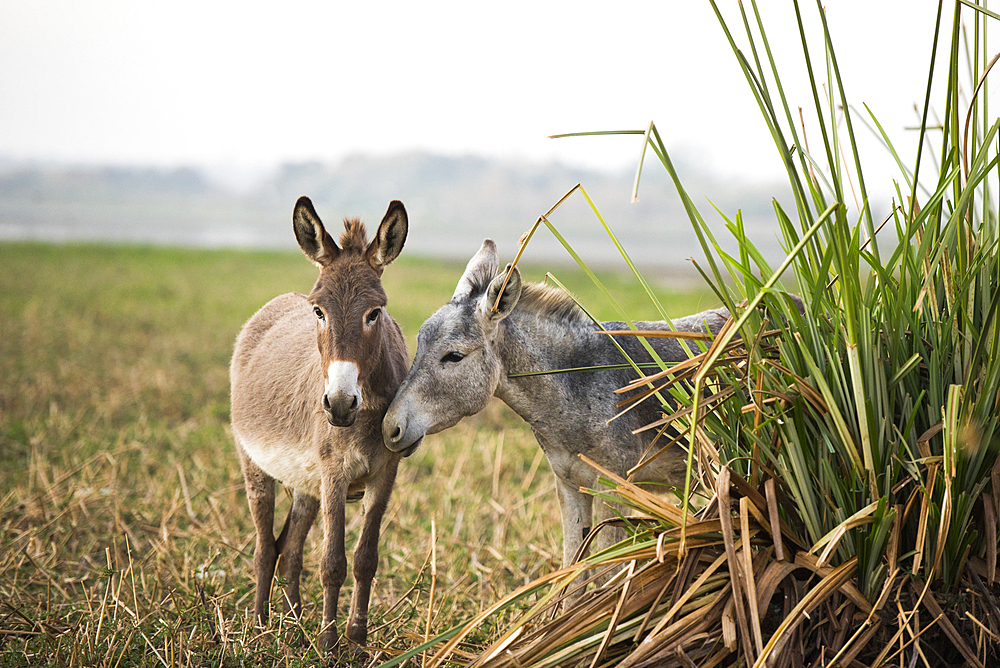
372, 316
452, 357
319, 313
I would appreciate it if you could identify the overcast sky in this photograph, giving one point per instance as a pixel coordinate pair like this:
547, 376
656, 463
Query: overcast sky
252, 84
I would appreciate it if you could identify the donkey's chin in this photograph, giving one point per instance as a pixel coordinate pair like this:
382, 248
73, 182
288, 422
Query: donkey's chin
444, 424
341, 420
406, 452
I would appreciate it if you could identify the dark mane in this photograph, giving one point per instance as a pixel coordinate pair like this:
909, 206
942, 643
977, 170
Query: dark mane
547, 301
354, 238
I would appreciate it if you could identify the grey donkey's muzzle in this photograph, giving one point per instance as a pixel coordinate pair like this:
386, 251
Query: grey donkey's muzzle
399, 433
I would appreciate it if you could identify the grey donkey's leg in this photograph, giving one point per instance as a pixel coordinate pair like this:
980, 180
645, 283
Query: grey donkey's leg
608, 535
578, 517
366, 553
575, 507
333, 565
290, 544
260, 497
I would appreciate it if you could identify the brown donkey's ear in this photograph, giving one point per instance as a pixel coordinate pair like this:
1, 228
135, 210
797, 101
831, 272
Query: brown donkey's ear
389, 240
313, 238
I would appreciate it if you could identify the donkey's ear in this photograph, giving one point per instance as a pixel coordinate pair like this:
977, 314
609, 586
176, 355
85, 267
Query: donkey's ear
389, 240
502, 295
313, 238
478, 273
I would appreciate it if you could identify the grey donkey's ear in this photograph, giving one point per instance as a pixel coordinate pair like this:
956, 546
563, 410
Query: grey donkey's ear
497, 305
389, 240
478, 273
313, 238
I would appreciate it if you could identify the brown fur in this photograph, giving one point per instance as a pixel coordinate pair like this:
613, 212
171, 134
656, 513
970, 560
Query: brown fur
316, 434
354, 238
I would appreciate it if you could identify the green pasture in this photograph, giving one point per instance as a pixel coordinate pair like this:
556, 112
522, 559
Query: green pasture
124, 534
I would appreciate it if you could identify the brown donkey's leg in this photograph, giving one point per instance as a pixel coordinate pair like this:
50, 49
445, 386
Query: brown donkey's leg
333, 566
260, 497
366, 553
290, 544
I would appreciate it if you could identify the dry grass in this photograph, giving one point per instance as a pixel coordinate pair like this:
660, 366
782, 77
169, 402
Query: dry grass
124, 534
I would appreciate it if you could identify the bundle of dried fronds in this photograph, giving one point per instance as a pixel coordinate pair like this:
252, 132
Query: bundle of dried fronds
734, 587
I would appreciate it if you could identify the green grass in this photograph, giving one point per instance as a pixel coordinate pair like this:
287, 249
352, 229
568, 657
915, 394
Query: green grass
121, 498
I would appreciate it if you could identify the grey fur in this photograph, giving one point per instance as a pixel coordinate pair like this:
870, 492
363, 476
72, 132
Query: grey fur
537, 328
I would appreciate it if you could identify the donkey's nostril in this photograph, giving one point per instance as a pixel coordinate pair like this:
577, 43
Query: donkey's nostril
326, 403
397, 434
354, 402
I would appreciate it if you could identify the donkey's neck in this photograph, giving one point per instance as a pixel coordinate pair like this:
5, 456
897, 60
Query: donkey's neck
578, 406
529, 342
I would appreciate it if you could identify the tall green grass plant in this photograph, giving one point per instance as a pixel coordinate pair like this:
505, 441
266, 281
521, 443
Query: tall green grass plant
846, 421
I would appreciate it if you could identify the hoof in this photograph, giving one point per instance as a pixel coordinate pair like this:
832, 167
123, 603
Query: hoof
328, 644
357, 643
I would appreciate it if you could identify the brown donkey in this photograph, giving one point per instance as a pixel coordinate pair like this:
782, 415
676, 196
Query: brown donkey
311, 380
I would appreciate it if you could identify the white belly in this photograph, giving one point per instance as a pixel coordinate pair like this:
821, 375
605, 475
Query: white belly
291, 464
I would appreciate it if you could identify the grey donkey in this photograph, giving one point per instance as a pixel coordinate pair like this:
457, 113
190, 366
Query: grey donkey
311, 379
468, 348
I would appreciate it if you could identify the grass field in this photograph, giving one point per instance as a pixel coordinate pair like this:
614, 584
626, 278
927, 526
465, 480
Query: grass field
124, 534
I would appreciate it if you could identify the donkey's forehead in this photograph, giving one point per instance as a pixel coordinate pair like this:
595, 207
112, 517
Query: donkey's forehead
452, 322
350, 283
